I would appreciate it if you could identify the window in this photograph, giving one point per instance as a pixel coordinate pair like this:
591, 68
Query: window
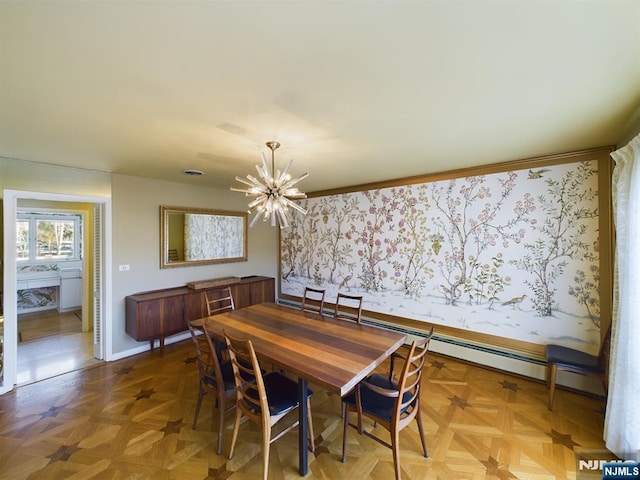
47, 237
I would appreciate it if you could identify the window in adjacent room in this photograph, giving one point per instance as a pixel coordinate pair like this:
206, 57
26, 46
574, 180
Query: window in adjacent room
44, 237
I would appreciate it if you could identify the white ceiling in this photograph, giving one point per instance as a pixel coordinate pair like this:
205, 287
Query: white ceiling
356, 91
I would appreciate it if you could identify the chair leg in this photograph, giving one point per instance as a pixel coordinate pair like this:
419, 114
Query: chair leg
266, 443
344, 433
221, 407
395, 446
421, 431
553, 370
343, 406
391, 362
234, 437
201, 394
310, 427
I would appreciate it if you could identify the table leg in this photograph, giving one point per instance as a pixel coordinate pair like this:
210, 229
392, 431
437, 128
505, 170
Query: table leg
303, 455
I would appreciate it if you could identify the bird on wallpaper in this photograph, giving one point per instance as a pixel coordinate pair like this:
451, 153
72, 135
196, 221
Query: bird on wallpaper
533, 174
515, 301
345, 282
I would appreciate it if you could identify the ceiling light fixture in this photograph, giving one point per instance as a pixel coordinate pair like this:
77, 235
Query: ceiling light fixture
274, 192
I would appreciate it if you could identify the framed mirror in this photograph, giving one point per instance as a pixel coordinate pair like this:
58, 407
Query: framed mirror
200, 236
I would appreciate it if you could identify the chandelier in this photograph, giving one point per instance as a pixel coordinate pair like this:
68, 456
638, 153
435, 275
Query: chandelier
273, 191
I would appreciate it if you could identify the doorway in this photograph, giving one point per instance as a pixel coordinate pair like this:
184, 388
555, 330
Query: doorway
50, 257
43, 343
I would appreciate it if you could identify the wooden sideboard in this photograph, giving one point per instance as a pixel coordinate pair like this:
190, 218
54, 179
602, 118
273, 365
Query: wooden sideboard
160, 313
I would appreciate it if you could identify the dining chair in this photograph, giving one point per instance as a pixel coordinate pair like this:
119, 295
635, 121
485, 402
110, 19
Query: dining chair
576, 361
390, 405
348, 307
313, 300
263, 399
397, 354
214, 376
219, 301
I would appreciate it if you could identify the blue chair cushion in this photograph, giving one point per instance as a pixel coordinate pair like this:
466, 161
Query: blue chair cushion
570, 358
227, 376
282, 393
375, 403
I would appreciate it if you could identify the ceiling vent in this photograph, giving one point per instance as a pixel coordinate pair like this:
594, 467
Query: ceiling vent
194, 173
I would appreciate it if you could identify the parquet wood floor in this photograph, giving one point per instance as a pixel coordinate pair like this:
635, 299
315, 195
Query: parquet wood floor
131, 419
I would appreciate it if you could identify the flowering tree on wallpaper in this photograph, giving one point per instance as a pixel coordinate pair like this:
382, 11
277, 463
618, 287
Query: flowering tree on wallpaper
470, 224
376, 239
309, 240
586, 291
562, 236
336, 249
291, 250
413, 265
486, 283
495, 254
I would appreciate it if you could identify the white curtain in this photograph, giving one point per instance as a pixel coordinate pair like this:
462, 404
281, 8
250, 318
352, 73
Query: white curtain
622, 420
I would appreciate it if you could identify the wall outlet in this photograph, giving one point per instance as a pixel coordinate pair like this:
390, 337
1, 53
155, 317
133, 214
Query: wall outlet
123, 268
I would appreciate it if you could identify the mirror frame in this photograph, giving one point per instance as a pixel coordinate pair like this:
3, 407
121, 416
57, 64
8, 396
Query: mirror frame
165, 211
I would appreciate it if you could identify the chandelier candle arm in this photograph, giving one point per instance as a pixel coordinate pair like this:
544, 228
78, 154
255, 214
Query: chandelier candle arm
295, 206
283, 178
282, 218
256, 202
254, 180
255, 219
291, 183
265, 170
242, 180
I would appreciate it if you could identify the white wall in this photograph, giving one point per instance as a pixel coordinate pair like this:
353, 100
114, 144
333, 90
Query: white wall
136, 242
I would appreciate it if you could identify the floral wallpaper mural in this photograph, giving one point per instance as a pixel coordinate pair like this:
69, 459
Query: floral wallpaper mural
513, 254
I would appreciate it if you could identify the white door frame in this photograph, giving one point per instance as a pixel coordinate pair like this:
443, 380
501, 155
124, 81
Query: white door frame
10, 207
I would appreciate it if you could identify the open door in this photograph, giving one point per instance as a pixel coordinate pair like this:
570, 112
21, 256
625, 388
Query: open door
98, 344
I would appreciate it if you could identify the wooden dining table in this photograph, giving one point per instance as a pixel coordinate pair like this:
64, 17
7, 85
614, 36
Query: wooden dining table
331, 353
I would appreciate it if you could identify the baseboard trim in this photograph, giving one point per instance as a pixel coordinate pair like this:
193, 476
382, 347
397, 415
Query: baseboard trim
147, 347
